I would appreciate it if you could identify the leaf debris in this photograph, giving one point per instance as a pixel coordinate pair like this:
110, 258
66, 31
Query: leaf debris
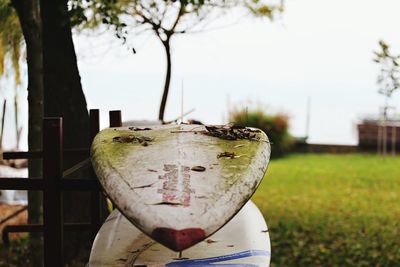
143, 140
240, 145
231, 155
233, 132
167, 203
139, 129
198, 168
144, 186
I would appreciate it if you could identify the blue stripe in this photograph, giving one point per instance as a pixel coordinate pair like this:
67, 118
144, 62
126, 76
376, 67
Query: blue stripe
207, 262
214, 265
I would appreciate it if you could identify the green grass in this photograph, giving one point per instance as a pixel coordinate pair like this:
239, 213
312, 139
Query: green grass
322, 210
332, 210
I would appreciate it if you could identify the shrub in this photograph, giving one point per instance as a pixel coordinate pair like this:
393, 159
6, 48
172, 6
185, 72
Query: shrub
275, 126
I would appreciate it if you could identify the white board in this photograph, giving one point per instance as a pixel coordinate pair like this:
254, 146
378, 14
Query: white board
13, 197
243, 242
180, 183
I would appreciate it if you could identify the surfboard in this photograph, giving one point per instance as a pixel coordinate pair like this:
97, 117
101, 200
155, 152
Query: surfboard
180, 183
242, 242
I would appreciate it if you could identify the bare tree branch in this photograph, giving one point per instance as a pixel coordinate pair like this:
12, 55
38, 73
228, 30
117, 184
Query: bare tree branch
166, 18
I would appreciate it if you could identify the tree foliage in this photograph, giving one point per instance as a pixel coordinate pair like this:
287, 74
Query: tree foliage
389, 76
161, 17
164, 19
11, 39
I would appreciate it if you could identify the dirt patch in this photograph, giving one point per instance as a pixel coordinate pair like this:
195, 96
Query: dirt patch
22, 218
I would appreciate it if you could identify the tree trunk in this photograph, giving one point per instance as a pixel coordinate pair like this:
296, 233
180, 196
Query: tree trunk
55, 90
167, 80
29, 15
63, 97
63, 91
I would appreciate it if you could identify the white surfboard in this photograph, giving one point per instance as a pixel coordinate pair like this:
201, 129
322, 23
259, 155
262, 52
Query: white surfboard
180, 183
243, 242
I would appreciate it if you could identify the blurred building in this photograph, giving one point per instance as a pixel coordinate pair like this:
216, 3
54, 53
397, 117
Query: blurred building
371, 133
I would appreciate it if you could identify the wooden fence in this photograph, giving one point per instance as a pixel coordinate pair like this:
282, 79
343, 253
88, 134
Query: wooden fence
54, 182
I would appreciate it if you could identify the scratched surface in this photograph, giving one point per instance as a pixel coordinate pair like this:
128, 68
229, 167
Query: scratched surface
243, 242
177, 183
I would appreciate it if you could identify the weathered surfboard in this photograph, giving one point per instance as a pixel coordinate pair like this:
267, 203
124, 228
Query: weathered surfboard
243, 242
180, 183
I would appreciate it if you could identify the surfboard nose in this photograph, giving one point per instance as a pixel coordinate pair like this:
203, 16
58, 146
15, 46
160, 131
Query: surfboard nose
178, 240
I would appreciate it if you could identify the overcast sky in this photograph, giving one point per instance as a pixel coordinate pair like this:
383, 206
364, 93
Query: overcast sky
319, 49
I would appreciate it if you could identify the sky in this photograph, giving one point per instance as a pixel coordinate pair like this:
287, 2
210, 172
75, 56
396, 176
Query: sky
318, 50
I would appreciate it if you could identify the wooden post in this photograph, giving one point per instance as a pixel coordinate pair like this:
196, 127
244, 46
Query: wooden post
94, 123
52, 198
394, 139
115, 118
379, 138
384, 138
2, 122
95, 197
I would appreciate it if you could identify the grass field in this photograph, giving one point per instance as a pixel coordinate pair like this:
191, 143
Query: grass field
332, 210
322, 210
